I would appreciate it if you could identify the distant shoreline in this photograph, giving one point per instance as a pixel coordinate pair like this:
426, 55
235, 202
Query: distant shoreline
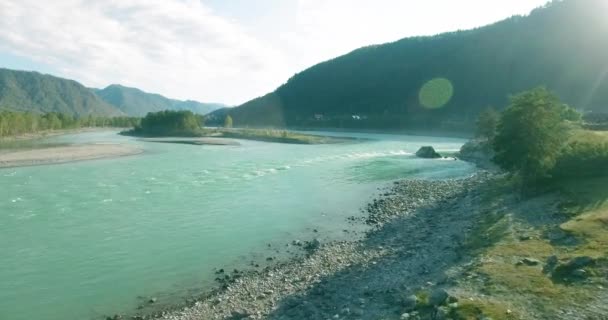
409, 132
193, 141
65, 154
286, 136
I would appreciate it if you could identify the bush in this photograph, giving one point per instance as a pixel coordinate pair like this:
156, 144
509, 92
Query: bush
530, 134
586, 154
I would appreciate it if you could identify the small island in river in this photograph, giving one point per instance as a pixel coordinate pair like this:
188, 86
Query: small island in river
194, 141
172, 126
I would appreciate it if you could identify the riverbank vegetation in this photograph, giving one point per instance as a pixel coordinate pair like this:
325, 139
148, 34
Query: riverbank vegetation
271, 135
19, 123
540, 254
538, 139
187, 124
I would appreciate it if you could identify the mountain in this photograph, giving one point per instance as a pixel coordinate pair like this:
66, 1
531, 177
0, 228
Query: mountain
135, 102
32, 91
561, 45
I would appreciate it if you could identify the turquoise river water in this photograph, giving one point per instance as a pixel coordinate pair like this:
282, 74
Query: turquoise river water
86, 239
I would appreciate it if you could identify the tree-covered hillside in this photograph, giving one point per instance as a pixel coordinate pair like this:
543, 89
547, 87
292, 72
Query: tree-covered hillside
135, 102
35, 92
562, 46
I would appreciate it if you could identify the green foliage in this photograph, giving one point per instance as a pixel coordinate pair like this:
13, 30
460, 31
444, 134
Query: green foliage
570, 114
34, 92
484, 65
487, 123
17, 123
584, 155
228, 122
168, 122
530, 134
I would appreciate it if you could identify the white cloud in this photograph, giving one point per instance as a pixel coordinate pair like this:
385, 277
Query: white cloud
336, 27
179, 48
184, 49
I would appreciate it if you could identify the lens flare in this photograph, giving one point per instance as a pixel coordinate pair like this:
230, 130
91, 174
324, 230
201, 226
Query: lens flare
436, 93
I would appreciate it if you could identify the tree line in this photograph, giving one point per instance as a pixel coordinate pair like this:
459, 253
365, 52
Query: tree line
16, 123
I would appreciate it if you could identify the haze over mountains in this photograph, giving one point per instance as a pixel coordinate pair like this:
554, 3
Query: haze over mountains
35, 92
562, 46
138, 103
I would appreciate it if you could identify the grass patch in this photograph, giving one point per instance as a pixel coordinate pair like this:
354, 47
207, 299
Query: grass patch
582, 195
474, 310
495, 239
592, 227
504, 275
585, 154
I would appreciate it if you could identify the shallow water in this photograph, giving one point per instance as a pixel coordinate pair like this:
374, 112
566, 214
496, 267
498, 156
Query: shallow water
85, 239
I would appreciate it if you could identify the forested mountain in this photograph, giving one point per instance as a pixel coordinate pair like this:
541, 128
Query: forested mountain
135, 102
563, 45
32, 91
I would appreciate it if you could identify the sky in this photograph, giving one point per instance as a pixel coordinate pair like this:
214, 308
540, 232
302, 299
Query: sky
227, 51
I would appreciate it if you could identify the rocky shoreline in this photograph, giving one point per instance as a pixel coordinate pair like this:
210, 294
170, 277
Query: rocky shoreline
418, 229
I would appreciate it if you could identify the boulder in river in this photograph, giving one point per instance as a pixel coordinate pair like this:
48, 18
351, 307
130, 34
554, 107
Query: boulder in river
427, 152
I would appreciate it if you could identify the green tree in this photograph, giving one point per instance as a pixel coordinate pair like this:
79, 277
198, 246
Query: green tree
228, 122
570, 114
487, 123
530, 134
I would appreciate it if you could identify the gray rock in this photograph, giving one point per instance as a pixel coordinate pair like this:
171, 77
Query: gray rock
573, 269
550, 264
581, 262
438, 297
478, 152
442, 313
409, 303
427, 152
312, 246
529, 262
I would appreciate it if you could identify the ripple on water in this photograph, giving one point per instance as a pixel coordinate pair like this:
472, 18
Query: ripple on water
193, 213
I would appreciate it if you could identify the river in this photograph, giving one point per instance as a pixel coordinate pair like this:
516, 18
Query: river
87, 239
